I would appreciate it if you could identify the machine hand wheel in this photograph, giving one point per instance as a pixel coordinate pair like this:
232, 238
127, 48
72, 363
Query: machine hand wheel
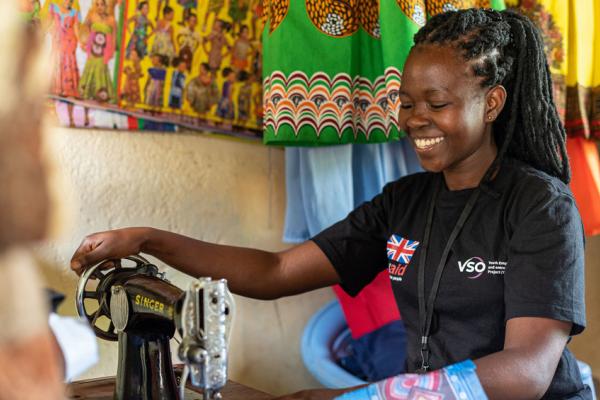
101, 272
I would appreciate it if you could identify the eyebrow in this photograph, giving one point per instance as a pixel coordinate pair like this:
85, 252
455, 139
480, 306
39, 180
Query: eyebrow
436, 90
427, 91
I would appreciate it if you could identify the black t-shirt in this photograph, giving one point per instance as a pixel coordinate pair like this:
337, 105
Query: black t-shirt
520, 254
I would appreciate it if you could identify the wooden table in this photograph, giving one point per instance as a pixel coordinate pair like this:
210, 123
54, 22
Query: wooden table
102, 389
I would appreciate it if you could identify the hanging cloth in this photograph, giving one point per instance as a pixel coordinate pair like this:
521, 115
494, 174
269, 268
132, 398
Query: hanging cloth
585, 181
324, 184
571, 30
332, 68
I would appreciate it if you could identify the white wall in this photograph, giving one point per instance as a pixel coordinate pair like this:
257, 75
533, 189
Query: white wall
207, 187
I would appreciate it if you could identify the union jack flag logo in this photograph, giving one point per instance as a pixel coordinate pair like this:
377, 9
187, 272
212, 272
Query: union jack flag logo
401, 250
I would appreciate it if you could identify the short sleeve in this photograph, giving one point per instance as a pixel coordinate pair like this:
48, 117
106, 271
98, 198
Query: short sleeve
356, 246
545, 272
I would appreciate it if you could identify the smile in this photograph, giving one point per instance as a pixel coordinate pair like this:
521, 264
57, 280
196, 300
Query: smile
426, 144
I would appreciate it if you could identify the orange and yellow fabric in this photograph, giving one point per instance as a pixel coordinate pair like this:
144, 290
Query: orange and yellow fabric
585, 181
572, 37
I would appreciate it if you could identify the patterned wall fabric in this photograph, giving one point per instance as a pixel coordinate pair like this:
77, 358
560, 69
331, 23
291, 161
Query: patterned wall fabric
186, 62
572, 38
333, 67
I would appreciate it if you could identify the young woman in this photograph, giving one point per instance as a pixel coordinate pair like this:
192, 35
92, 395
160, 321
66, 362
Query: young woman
484, 251
164, 40
100, 44
142, 31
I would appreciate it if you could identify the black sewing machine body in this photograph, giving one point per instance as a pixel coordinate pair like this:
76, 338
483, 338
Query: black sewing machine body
145, 311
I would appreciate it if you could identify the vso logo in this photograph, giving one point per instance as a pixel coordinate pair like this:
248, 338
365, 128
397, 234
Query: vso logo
473, 265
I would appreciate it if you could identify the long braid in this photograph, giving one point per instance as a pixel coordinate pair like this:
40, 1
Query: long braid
507, 49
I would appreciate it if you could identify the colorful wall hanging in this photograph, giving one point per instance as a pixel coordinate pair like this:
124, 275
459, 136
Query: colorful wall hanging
184, 62
572, 40
333, 68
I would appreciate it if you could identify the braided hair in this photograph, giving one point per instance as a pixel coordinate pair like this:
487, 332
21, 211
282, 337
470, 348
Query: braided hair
508, 50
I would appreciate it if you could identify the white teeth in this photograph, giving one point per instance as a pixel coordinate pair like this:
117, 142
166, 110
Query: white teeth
425, 143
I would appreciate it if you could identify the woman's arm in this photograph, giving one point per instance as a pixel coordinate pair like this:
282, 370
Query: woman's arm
525, 367
249, 272
522, 370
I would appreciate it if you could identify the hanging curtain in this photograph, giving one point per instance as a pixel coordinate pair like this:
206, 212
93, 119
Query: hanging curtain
332, 68
572, 39
585, 181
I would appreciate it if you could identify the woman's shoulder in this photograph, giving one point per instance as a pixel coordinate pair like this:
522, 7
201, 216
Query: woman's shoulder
528, 181
413, 183
528, 191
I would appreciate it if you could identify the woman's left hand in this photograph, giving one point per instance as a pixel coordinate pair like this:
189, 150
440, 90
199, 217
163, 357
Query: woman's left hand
314, 394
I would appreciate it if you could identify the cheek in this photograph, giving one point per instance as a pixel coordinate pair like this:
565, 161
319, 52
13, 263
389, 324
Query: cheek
402, 117
474, 116
450, 123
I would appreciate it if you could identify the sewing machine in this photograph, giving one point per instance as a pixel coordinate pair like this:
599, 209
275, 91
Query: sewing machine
136, 306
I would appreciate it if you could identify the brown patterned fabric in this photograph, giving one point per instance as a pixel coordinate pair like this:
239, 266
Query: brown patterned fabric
583, 111
275, 11
340, 18
440, 6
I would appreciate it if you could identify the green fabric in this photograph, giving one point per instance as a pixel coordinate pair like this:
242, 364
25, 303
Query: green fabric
102, 28
95, 83
332, 68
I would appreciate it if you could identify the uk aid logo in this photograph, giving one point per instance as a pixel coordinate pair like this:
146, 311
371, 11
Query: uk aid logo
399, 253
475, 267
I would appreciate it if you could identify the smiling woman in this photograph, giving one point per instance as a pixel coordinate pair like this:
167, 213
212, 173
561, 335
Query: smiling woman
477, 105
449, 119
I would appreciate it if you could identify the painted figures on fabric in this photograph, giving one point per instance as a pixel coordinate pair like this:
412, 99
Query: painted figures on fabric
180, 61
64, 22
199, 60
83, 36
98, 41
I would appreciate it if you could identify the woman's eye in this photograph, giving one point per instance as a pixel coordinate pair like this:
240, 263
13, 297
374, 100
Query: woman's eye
438, 106
405, 106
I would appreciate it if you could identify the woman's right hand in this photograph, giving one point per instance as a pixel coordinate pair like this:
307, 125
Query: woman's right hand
100, 246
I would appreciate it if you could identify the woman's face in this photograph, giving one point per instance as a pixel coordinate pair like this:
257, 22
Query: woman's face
101, 6
443, 111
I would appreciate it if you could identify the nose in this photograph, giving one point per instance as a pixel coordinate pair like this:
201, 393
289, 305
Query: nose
416, 118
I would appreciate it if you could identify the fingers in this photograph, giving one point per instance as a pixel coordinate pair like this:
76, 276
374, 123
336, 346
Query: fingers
89, 252
101, 246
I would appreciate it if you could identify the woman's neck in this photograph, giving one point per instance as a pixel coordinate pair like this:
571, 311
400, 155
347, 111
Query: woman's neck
469, 173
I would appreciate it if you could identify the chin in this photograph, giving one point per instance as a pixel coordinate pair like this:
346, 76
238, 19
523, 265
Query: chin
431, 165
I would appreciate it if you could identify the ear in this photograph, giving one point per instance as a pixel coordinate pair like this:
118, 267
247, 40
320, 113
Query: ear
495, 100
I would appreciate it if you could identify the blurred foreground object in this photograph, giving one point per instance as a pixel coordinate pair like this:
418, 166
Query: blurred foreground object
29, 355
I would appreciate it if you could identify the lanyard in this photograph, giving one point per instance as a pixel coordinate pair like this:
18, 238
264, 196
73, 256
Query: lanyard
426, 310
